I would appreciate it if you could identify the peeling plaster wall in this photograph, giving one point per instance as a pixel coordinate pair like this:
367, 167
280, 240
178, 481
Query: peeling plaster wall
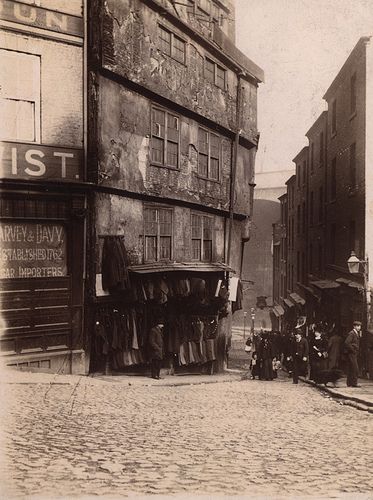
124, 155
130, 48
117, 215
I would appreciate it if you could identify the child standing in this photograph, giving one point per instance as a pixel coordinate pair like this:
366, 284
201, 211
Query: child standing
276, 365
254, 366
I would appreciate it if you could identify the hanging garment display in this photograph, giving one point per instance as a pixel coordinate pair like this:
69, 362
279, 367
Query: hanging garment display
114, 265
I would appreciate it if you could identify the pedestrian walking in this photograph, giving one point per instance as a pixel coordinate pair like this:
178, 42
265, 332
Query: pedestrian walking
156, 349
334, 350
351, 347
265, 356
299, 356
318, 354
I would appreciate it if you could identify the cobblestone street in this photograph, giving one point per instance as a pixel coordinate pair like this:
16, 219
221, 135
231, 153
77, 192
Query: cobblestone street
245, 437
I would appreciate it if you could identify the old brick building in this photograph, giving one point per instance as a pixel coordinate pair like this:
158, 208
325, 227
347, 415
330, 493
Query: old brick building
42, 184
332, 205
172, 142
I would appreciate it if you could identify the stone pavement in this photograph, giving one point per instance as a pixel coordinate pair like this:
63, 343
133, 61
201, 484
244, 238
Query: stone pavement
73, 437
359, 397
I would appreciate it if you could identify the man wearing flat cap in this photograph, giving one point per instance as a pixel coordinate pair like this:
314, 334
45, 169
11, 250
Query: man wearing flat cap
352, 351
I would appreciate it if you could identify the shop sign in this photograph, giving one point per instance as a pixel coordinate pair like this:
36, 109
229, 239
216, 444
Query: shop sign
34, 161
38, 17
32, 250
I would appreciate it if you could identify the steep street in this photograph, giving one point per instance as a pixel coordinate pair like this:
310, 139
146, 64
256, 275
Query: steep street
94, 437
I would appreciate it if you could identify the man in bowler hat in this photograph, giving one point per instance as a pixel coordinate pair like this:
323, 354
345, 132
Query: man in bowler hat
351, 352
300, 356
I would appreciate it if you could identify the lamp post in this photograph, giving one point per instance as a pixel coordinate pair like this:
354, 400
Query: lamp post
353, 267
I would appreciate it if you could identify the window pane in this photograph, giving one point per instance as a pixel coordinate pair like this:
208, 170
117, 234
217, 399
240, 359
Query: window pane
150, 248
214, 169
210, 70
172, 154
165, 247
172, 128
203, 165
17, 120
158, 150
207, 250
158, 123
207, 228
196, 249
215, 12
165, 41
178, 49
204, 5
220, 77
165, 222
150, 222
196, 226
203, 141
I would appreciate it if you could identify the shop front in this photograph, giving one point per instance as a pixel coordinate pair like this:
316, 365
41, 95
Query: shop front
42, 229
192, 299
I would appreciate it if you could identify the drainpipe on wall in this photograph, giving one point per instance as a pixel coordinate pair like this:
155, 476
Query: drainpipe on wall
234, 166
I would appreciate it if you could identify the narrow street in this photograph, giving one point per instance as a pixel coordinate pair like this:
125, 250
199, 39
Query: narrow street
95, 437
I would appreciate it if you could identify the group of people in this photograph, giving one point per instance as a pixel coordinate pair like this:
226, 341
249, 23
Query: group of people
303, 356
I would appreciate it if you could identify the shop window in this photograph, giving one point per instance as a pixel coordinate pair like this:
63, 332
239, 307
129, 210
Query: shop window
158, 234
208, 154
172, 45
20, 96
165, 138
202, 229
215, 73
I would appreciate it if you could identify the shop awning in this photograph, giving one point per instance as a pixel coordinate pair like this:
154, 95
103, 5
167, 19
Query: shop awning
297, 298
312, 292
325, 284
288, 303
352, 284
164, 267
278, 311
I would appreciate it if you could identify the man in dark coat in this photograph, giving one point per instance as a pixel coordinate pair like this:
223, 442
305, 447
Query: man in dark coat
300, 356
156, 349
351, 351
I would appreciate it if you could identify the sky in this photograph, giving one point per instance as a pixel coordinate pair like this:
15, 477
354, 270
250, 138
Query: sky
301, 45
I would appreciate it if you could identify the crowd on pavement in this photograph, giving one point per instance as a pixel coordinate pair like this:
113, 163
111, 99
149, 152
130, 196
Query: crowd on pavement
321, 357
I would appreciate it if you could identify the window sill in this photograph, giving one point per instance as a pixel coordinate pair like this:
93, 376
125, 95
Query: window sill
207, 179
152, 164
172, 58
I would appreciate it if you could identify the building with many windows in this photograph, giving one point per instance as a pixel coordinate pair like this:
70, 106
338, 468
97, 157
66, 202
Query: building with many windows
332, 212
172, 143
42, 185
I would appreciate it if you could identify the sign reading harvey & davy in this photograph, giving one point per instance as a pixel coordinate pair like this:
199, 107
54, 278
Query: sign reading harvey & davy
33, 161
31, 250
38, 17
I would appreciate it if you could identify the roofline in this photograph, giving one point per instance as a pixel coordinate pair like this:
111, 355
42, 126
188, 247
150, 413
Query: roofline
292, 178
364, 40
323, 115
301, 152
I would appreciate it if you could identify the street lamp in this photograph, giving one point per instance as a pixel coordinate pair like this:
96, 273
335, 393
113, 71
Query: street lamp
353, 264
